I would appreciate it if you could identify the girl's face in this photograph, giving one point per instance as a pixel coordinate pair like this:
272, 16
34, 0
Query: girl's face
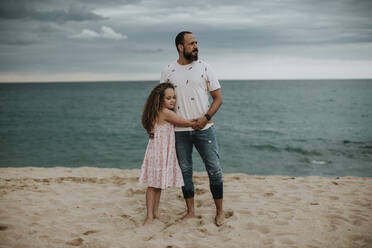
169, 98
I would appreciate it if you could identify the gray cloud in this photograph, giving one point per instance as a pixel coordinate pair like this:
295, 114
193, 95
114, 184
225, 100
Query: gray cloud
38, 35
261, 23
26, 10
110, 2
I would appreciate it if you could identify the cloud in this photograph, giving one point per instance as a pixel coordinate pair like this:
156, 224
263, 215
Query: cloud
46, 35
86, 34
274, 22
110, 2
109, 33
25, 10
106, 33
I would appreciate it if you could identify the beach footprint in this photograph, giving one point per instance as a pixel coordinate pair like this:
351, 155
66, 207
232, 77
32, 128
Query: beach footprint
258, 228
203, 203
245, 212
130, 219
281, 222
3, 227
132, 192
357, 220
269, 194
287, 241
226, 228
90, 232
75, 242
229, 213
199, 203
200, 191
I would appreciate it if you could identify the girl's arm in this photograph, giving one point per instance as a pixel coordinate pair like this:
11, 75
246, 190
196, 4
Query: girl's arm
173, 118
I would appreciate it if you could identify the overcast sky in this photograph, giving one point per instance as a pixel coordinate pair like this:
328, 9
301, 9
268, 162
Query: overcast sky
74, 40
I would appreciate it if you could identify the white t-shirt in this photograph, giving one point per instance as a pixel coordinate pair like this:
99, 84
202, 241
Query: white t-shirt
192, 84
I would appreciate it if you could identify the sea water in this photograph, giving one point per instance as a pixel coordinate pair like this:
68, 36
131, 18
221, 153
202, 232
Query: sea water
273, 127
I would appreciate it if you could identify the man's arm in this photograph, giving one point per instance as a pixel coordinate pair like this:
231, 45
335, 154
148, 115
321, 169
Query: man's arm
216, 104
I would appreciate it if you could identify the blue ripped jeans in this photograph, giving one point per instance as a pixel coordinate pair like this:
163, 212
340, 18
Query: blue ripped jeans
206, 144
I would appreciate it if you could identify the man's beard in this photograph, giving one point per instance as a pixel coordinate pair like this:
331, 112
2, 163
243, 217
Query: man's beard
190, 56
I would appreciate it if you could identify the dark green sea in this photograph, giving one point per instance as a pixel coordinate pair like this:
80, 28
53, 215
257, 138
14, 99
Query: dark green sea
274, 127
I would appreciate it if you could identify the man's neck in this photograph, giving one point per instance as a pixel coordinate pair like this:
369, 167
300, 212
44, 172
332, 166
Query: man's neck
183, 61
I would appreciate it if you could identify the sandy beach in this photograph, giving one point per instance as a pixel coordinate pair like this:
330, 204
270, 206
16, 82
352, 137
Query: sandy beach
93, 207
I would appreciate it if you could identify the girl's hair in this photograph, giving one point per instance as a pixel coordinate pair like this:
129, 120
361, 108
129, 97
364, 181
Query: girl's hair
153, 105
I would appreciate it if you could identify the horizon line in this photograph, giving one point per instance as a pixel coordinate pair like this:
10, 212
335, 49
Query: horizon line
149, 80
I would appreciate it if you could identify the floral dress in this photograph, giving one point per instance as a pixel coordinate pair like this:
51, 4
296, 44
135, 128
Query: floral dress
160, 168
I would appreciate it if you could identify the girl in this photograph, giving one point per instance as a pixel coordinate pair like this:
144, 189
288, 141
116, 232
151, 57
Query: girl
160, 167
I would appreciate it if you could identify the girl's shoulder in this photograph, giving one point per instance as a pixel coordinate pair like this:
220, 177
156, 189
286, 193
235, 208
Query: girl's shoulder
165, 111
162, 116
167, 116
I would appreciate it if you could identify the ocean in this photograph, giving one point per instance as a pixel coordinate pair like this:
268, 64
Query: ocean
264, 127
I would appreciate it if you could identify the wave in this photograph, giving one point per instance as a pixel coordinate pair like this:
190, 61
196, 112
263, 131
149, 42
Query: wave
307, 160
289, 149
365, 144
318, 162
266, 148
302, 151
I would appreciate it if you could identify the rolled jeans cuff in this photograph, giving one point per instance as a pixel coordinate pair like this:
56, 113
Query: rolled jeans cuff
187, 193
217, 191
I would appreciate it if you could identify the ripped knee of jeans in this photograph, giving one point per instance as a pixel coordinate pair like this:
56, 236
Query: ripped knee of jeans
215, 176
186, 170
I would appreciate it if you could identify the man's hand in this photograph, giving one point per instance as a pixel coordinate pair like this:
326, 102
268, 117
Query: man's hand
199, 123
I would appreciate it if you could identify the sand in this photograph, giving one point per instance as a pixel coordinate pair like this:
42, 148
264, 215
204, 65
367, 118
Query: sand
92, 207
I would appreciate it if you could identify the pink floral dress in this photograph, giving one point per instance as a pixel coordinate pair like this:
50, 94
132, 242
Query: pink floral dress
160, 167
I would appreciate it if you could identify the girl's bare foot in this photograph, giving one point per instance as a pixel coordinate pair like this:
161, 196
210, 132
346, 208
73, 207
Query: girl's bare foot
158, 217
148, 221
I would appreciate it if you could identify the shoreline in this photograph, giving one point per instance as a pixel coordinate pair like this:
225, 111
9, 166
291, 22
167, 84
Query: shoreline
68, 170
105, 207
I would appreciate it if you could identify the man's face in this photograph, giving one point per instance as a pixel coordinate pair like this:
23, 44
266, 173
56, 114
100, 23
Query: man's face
190, 47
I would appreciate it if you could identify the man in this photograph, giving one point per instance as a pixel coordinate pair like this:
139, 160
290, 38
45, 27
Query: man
193, 80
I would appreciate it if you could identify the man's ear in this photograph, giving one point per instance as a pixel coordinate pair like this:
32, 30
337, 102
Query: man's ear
180, 47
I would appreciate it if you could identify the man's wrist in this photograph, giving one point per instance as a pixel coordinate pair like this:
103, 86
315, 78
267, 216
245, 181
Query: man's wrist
208, 117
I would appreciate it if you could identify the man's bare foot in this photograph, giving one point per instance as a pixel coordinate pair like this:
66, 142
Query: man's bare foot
219, 219
188, 216
148, 221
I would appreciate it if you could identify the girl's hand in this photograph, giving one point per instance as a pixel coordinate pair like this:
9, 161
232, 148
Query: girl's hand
194, 123
151, 134
200, 123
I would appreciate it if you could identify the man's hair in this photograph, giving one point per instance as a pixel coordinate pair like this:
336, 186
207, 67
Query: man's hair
180, 38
